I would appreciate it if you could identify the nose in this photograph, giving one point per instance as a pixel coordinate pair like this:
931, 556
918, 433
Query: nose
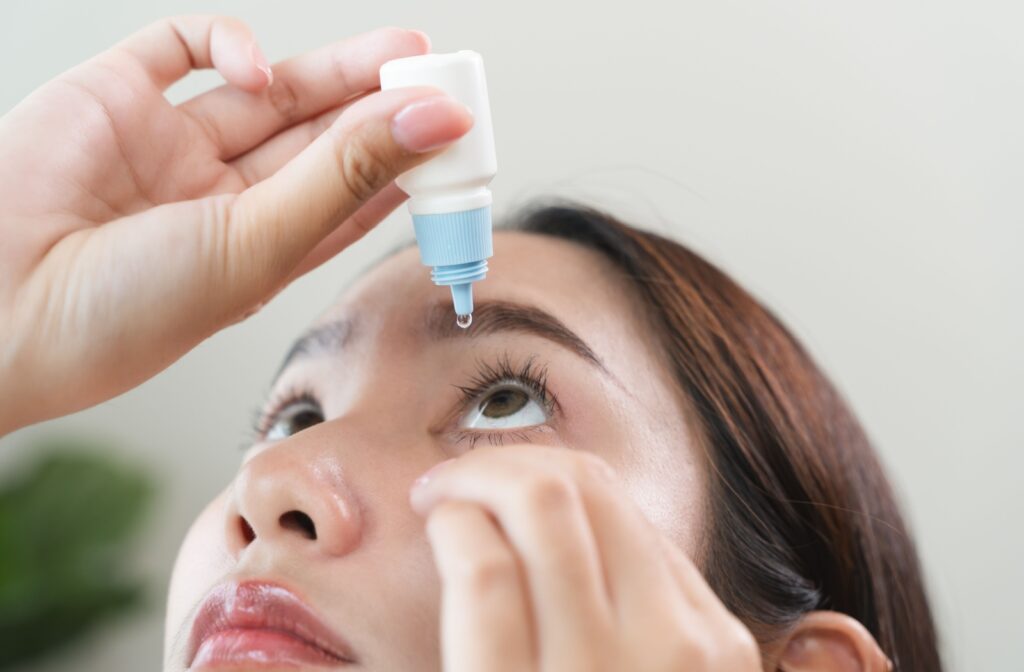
290, 496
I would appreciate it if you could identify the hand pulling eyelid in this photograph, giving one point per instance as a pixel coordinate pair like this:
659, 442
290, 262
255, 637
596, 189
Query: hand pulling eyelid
449, 199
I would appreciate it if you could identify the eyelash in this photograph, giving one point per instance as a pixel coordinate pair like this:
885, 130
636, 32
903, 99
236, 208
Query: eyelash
264, 417
530, 375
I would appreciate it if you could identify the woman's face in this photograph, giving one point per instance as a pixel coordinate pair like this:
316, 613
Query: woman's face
316, 535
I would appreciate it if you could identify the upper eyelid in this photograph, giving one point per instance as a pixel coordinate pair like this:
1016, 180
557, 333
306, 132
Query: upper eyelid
470, 401
271, 410
490, 375
470, 396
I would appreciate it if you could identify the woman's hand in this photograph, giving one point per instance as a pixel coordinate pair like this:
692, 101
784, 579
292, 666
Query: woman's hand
547, 564
131, 229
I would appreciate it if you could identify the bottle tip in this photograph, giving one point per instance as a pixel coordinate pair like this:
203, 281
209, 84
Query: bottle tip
464, 320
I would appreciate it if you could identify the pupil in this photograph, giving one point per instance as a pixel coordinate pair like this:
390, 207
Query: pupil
305, 419
504, 403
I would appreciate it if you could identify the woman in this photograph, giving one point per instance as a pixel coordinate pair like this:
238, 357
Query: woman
638, 470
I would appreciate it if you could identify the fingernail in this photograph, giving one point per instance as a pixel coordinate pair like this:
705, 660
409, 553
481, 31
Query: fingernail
430, 123
429, 474
260, 61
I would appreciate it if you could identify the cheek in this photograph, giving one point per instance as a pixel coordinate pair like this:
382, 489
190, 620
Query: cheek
665, 468
667, 487
404, 579
648, 444
202, 559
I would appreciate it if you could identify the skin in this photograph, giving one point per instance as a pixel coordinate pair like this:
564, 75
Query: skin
250, 185
568, 547
610, 489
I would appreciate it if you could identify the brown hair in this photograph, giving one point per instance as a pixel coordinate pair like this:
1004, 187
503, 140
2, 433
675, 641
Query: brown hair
802, 516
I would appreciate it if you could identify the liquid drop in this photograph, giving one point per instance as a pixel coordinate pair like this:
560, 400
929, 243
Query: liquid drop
464, 320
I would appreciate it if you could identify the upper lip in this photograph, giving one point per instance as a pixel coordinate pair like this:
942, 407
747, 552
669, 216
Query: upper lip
261, 605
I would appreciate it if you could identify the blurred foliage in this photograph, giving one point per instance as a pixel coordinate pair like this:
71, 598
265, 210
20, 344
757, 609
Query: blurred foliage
66, 523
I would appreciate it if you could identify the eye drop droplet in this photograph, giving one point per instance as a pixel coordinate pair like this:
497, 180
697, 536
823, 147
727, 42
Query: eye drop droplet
464, 320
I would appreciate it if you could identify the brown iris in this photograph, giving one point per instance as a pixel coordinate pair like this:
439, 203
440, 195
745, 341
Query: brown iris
503, 403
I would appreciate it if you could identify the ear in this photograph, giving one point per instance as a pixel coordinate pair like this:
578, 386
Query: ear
827, 641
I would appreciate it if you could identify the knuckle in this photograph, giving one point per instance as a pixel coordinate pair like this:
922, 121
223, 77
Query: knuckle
547, 493
363, 170
695, 655
488, 573
284, 98
339, 65
179, 25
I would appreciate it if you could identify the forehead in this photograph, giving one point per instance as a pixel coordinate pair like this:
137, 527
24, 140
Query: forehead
577, 285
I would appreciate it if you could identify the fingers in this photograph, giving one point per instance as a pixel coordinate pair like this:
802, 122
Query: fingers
263, 161
195, 267
545, 518
636, 572
485, 615
271, 227
665, 615
358, 225
169, 48
303, 87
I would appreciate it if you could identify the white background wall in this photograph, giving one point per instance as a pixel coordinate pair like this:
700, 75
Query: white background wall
858, 165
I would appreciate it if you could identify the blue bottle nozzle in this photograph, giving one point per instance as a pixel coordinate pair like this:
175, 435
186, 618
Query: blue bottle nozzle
456, 245
462, 297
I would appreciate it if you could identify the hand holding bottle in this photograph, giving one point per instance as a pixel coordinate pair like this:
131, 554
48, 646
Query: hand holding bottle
132, 229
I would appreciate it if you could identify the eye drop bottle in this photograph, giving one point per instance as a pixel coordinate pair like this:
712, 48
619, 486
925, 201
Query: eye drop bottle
449, 198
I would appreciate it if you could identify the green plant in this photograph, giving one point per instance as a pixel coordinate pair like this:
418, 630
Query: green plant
66, 524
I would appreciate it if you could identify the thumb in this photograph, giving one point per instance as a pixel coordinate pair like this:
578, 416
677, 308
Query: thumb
268, 229
110, 306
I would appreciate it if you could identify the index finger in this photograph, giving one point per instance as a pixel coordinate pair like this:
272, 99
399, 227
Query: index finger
485, 611
303, 87
170, 48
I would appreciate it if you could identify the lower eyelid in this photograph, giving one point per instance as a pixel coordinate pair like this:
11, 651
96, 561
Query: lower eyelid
501, 437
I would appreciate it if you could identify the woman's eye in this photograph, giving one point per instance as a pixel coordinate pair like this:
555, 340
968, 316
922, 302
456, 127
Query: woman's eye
293, 418
505, 407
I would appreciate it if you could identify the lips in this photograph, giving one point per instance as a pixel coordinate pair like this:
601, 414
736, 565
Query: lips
262, 624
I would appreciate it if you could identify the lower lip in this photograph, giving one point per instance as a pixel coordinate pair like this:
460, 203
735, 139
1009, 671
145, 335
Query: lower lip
260, 648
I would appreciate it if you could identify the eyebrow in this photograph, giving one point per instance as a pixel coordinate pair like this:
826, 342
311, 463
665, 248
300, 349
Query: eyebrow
490, 317
321, 339
495, 317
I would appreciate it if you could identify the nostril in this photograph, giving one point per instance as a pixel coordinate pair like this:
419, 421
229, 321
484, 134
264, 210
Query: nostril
300, 522
248, 534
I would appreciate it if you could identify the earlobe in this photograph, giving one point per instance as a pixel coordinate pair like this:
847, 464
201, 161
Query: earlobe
828, 641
